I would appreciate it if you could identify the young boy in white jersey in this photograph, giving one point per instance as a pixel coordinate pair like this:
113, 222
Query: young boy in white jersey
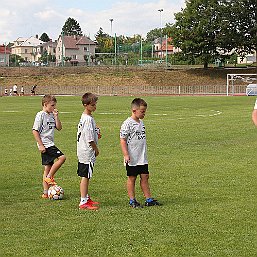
254, 113
46, 121
134, 149
87, 150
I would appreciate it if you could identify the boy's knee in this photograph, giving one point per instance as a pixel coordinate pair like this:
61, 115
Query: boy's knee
62, 158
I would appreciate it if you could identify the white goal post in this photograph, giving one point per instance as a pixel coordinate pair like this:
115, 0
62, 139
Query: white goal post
243, 78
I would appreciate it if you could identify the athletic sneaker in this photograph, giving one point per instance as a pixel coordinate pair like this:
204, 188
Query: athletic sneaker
44, 196
90, 201
50, 181
152, 203
87, 206
135, 204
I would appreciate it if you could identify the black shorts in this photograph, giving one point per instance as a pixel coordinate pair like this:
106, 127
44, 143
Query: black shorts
85, 170
136, 170
50, 155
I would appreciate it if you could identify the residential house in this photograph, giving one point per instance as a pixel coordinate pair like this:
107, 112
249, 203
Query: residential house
75, 49
27, 48
49, 47
248, 59
163, 46
4, 55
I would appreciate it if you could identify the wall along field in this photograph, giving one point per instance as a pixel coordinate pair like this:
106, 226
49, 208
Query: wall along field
202, 158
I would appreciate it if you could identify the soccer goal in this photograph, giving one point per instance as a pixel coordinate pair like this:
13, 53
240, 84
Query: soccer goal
237, 83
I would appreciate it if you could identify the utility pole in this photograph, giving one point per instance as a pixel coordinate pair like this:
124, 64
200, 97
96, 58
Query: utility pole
161, 10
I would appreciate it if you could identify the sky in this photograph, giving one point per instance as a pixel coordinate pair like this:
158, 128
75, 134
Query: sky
33, 17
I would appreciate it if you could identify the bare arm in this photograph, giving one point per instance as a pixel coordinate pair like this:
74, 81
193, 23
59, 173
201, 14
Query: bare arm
39, 141
254, 117
58, 123
124, 149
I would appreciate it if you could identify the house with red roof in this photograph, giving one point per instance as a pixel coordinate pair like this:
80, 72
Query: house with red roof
74, 49
163, 47
4, 55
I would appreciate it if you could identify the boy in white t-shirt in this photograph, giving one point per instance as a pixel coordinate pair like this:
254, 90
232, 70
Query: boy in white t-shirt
254, 114
46, 121
134, 149
87, 150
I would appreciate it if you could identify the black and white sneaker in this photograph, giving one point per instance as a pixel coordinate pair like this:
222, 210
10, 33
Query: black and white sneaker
135, 204
152, 203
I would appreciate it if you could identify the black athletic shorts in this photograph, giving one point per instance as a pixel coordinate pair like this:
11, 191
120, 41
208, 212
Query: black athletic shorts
50, 155
85, 170
136, 170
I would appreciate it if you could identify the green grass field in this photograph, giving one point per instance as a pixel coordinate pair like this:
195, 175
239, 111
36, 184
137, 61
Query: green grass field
202, 158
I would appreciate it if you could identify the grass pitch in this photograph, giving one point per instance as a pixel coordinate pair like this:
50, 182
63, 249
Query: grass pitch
202, 159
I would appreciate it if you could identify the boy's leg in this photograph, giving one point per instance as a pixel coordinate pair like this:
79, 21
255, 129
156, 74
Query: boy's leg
131, 186
56, 166
45, 185
145, 185
84, 187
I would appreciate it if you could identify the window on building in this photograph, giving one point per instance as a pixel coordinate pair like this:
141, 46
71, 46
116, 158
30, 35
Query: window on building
26, 51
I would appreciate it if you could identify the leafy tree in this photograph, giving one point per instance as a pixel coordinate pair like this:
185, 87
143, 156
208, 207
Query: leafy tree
215, 29
194, 30
71, 27
15, 60
244, 23
104, 41
44, 37
153, 34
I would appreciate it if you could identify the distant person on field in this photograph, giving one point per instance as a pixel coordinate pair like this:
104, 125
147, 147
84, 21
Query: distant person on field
254, 114
134, 149
5, 91
15, 92
33, 90
10, 92
46, 121
22, 90
87, 150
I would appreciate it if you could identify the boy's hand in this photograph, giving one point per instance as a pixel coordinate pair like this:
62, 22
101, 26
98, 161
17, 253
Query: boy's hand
126, 158
55, 112
42, 149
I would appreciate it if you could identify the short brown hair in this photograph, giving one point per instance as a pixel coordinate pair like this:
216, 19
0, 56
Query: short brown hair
48, 98
88, 98
137, 102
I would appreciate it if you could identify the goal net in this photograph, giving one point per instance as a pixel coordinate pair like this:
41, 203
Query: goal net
238, 83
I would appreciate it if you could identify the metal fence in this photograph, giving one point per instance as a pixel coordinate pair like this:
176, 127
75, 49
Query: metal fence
137, 90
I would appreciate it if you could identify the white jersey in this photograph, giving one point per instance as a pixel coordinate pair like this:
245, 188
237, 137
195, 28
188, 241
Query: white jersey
87, 132
255, 106
134, 133
45, 124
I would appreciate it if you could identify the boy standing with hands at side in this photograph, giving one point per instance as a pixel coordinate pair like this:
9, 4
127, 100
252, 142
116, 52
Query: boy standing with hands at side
87, 150
45, 123
134, 149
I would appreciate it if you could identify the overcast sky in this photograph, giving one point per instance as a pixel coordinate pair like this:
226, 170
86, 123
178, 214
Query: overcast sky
25, 18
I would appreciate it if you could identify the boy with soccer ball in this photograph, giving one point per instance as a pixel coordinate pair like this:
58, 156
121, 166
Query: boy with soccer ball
87, 151
46, 121
254, 114
134, 149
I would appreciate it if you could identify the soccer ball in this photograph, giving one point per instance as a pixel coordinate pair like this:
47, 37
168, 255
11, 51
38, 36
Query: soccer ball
55, 192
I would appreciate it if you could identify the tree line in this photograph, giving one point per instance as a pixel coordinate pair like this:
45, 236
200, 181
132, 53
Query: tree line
205, 30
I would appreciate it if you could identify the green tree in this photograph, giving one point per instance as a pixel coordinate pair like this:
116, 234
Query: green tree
194, 30
153, 34
105, 42
71, 27
215, 29
44, 37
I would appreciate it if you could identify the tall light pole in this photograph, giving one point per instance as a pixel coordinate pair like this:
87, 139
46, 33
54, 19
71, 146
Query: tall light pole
161, 10
111, 20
